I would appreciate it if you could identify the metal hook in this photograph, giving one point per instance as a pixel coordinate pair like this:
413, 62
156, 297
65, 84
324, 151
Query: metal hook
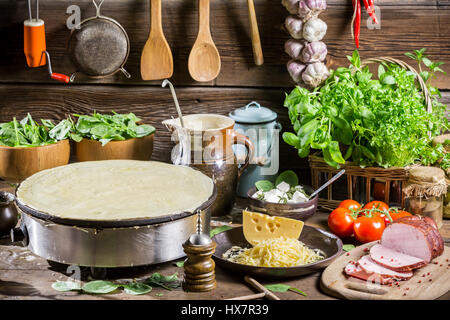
37, 10
97, 7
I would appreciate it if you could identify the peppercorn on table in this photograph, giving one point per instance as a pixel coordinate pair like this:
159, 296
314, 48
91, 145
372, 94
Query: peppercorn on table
24, 275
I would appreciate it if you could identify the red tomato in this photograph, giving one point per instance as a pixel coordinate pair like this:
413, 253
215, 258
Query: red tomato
340, 222
399, 214
380, 205
350, 204
384, 216
367, 229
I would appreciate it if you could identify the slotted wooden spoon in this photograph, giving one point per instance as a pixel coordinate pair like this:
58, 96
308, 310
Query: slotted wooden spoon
156, 58
204, 59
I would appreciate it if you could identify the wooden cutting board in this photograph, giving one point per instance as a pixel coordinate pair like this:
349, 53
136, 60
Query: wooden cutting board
434, 280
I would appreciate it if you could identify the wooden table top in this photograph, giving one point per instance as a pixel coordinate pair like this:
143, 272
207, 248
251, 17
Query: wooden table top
24, 275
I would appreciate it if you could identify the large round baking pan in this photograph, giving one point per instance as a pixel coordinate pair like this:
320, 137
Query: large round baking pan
110, 247
113, 223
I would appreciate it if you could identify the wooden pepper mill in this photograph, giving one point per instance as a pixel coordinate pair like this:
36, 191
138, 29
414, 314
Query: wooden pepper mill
199, 267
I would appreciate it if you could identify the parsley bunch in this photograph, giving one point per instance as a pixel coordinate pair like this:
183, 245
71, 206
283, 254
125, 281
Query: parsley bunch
373, 122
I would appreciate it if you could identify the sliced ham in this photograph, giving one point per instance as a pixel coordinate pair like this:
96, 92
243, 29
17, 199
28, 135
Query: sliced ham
406, 238
432, 233
394, 260
355, 271
368, 265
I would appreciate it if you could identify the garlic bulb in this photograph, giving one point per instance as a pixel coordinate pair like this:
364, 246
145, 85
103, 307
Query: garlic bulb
294, 26
291, 5
293, 48
295, 69
314, 30
308, 9
314, 52
315, 74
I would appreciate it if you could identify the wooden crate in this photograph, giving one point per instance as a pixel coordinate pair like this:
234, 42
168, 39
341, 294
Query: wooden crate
357, 177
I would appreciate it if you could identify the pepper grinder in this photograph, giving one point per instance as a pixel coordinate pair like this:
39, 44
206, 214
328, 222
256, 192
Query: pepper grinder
199, 273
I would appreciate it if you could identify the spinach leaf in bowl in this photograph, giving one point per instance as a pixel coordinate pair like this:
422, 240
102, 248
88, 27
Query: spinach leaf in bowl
29, 133
105, 127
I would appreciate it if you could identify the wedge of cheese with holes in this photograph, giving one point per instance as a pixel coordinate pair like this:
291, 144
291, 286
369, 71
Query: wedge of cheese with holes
258, 226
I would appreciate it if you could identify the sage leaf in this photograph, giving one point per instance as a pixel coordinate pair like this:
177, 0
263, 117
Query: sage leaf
100, 286
64, 286
218, 230
136, 288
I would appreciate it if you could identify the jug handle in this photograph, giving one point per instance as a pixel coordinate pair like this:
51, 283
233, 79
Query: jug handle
239, 138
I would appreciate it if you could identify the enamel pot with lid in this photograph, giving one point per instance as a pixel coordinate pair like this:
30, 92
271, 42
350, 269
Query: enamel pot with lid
99, 46
260, 125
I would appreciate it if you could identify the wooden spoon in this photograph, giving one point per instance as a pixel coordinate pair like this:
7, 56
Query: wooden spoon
204, 59
156, 58
256, 41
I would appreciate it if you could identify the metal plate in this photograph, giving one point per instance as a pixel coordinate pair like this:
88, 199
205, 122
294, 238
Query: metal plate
312, 237
99, 47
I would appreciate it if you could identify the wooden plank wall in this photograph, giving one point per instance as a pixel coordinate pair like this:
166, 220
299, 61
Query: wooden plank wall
405, 25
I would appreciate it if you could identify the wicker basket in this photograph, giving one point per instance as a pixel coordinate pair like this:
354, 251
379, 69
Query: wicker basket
364, 178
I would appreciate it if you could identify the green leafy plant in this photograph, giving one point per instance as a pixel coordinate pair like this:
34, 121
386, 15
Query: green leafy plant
105, 127
373, 122
28, 133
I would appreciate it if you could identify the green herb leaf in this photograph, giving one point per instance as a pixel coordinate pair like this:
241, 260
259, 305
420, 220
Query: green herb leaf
159, 294
66, 286
167, 282
287, 176
179, 264
100, 286
264, 185
348, 247
279, 287
218, 230
136, 288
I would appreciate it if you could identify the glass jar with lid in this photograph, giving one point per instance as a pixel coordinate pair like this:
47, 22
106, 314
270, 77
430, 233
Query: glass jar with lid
424, 192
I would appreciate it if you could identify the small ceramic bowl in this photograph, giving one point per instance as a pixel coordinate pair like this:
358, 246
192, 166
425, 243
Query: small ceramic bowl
299, 211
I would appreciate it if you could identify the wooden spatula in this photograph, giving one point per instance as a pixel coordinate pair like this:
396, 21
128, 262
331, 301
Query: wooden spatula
204, 59
156, 58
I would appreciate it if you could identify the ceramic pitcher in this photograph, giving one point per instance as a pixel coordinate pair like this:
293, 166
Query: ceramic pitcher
205, 142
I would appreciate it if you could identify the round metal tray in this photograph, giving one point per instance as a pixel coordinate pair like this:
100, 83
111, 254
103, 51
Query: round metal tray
114, 223
315, 238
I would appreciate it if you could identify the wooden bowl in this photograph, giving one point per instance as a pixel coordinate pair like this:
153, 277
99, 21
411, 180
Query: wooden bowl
130, 149
299, 211
17, 164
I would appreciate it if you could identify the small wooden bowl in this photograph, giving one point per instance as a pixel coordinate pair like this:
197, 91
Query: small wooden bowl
17, 164
299, 211
130, 149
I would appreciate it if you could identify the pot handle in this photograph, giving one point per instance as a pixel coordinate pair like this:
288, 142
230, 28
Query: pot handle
239, 138
126, 73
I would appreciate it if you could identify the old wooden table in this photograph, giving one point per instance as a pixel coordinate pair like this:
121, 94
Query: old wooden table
24, 275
